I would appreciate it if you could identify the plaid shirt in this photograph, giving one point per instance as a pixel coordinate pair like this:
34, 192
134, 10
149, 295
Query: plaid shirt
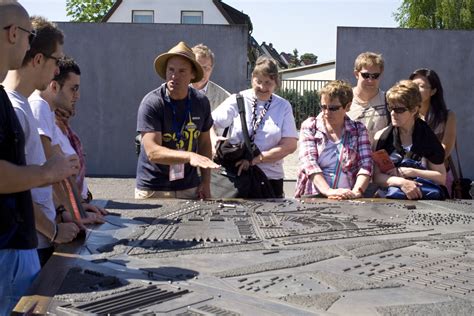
356, 154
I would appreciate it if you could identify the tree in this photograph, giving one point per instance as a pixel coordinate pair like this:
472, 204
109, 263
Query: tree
295, 61
88, 10
309, 58
436, 14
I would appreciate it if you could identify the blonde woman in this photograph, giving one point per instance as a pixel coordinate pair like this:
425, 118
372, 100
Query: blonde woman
409, 137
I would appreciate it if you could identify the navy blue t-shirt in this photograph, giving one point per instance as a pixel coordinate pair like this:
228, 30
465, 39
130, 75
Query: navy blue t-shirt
155, 114
17, 222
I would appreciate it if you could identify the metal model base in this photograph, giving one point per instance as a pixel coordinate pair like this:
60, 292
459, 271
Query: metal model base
285, 257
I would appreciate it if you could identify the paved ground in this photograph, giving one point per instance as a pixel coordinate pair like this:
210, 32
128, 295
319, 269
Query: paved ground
122, 188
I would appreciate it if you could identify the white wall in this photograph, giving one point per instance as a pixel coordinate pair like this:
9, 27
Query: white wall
168, 11
321, 73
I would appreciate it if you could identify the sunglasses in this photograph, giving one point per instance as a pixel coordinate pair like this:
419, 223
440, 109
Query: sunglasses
32, 33
58, 60
331, 108
367, 75
398, 110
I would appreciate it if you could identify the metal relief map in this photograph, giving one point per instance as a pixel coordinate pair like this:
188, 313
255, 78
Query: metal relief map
269, 257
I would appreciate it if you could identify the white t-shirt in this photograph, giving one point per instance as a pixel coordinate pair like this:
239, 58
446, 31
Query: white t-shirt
34, 156
372, 114
277, 123
47, 127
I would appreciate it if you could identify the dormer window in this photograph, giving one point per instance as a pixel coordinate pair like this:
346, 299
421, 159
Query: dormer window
191, 17
143, 16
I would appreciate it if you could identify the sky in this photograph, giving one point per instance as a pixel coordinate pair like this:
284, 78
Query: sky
310, 26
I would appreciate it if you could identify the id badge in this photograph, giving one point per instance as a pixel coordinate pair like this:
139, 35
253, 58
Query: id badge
176, 172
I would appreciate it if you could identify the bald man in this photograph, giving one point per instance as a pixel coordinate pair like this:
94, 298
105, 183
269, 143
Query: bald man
19, 262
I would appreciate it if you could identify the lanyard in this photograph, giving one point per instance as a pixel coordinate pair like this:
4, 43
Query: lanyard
257, 121
338, 167
177, 127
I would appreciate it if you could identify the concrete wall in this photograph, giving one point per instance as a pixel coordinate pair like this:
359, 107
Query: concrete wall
169, 11
116, 61
449, 53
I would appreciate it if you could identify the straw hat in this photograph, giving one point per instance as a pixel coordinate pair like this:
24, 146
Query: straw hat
182, 50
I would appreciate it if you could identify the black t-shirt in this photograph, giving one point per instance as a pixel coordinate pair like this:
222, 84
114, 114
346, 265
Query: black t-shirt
17, 224
189, 118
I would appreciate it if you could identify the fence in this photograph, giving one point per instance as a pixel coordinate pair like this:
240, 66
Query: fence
303, 96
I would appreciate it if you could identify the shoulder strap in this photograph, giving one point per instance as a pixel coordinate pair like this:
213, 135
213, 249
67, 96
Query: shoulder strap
387, 112
245, 131
337, 173
458, 159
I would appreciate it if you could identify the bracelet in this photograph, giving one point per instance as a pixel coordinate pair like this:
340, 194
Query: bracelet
60, 209
55, 233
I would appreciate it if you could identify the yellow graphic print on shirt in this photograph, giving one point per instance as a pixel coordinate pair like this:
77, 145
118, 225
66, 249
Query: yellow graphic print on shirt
189, 134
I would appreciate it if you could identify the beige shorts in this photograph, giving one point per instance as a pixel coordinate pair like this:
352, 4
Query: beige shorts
182, 194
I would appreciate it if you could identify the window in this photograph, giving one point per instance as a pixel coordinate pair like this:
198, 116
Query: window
191, 17
143, 16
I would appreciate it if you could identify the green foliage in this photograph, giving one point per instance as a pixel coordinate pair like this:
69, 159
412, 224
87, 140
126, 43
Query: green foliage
304, 105
309, 58
88, 10
295, 61
436, 14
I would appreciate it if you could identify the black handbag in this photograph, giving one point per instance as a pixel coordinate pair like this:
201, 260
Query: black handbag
252, 183
461, 186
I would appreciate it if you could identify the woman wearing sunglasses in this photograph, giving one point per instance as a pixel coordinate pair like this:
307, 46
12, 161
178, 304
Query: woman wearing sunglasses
434, 112
335, 155
408, 136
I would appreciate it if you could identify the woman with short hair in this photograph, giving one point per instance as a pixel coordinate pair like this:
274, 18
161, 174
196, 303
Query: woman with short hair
335, 154
408, 136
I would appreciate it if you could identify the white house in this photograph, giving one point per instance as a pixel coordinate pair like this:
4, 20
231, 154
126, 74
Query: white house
322, 71
176, 11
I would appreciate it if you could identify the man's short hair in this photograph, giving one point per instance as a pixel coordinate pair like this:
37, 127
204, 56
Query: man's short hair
48, 37
66, 66
338, 90
201, 50
368, 59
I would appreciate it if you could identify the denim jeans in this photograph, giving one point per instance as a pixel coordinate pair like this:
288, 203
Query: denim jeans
18, 269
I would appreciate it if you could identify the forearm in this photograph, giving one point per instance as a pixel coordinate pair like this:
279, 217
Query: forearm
362, 181
283, 149
385, 180
43, 224
320, 183
165, 156
21, 178
205, 149
433, 175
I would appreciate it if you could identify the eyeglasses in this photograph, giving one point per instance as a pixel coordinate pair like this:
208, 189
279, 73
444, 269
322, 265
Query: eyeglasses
367, 75
57, 59
398, 110
32, 33
331, 108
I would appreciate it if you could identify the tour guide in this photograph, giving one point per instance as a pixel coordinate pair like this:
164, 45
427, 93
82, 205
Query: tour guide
174, 121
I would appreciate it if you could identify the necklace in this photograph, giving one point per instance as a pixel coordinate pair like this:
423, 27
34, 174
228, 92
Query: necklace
256, 122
